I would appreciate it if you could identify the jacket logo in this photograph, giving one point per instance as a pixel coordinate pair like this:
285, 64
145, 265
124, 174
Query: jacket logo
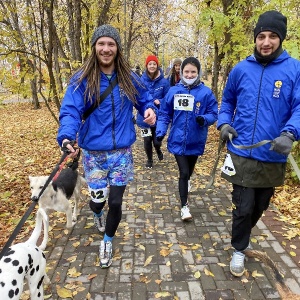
277, 88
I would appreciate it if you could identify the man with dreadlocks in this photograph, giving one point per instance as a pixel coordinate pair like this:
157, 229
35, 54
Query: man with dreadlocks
107, 134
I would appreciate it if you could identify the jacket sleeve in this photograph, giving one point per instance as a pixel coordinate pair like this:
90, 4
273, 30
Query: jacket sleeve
70, 113
144, 98
293, 124
228, 104
165, 114
211, 112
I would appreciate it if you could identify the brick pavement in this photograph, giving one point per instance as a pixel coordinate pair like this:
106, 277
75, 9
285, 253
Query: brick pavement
156, 255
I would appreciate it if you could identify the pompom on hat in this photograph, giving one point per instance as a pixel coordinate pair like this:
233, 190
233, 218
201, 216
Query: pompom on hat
151, 58
106, 30
271, 21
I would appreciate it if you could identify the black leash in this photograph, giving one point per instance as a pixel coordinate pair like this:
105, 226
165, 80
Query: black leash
32, 205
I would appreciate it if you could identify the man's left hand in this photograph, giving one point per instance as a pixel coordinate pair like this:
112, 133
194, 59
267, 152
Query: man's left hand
149, 116
283, 144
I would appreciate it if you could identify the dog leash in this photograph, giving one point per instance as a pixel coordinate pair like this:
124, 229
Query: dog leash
259, 144
58, 167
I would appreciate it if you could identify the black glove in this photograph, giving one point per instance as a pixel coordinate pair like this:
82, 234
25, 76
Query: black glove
65, 144
200, 120
225, 130
283, 144
159, 138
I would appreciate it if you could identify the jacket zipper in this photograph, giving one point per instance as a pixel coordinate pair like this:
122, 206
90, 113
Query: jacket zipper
114, 120
258, 100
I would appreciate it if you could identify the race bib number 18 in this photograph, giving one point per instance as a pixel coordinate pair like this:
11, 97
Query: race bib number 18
184, 102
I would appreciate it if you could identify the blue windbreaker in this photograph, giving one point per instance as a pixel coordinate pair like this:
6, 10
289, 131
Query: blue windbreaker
110, 126
158, 88
186, 136
260, 102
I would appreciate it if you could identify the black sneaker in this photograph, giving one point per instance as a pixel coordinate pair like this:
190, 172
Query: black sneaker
160, 155
149, 164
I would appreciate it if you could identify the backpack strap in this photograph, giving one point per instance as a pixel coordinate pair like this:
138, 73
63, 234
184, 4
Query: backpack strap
108, 90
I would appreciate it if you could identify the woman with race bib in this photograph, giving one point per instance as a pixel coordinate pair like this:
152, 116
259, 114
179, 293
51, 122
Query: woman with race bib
153, 79
190, 107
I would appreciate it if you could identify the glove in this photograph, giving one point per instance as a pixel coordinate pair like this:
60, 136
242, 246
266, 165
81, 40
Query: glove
159, 138
64, 147
200, 120
225, 130
283, 144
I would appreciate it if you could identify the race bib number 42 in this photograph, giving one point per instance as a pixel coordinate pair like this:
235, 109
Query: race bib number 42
184, 102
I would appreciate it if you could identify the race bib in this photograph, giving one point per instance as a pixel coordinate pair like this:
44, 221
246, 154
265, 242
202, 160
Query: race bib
146, 132
184, 102
228, 167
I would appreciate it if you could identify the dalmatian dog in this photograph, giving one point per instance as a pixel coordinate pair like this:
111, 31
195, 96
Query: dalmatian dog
23, 260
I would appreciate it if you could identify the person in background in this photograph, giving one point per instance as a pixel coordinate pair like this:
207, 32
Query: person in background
174, 74
107, 134
261, 101
190, 107
158, 87
138, 70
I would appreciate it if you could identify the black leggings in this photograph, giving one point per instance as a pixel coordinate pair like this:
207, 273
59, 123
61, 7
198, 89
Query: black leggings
249, 205
114, 214
186, 165
148, 141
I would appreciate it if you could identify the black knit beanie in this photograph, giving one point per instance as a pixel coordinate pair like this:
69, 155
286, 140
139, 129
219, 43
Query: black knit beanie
193, 61
106, 30
271, 21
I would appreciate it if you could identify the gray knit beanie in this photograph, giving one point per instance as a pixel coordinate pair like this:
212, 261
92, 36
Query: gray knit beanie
106, 30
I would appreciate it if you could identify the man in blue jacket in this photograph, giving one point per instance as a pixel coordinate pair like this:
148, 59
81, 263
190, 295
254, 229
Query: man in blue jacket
261, 101
107, 134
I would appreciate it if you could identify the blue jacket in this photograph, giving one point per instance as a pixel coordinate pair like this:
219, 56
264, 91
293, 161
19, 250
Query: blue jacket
260, 102
186, 136
110, 126
158, 88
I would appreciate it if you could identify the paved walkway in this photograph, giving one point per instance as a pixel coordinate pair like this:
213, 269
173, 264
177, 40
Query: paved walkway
156, 255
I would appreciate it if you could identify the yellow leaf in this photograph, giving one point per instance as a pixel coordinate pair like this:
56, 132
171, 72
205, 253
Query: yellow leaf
256, 274
162, 295
292, 253
197, 274
168, 264
63, 293
165, 252
206, 236
208, 273
148, 260
91, 276
222, 213
76, 244
72, 258
293, 247
88, 296
161, 232
221, 265
253, 240
158, 281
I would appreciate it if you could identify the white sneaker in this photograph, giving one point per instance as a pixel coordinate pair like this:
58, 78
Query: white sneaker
185, 213
237, 267
100, 223
189, 186
105, 254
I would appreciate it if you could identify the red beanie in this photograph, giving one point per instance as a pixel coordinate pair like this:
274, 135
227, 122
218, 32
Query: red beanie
151, 58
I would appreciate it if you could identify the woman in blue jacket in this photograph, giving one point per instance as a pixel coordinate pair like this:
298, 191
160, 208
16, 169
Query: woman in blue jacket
153, 79
190, 107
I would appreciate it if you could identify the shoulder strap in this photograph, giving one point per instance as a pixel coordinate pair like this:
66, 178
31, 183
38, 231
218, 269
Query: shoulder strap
91, 109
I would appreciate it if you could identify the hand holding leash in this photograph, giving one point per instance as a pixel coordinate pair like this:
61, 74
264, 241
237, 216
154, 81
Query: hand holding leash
226, 129
69, 148
283, 144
